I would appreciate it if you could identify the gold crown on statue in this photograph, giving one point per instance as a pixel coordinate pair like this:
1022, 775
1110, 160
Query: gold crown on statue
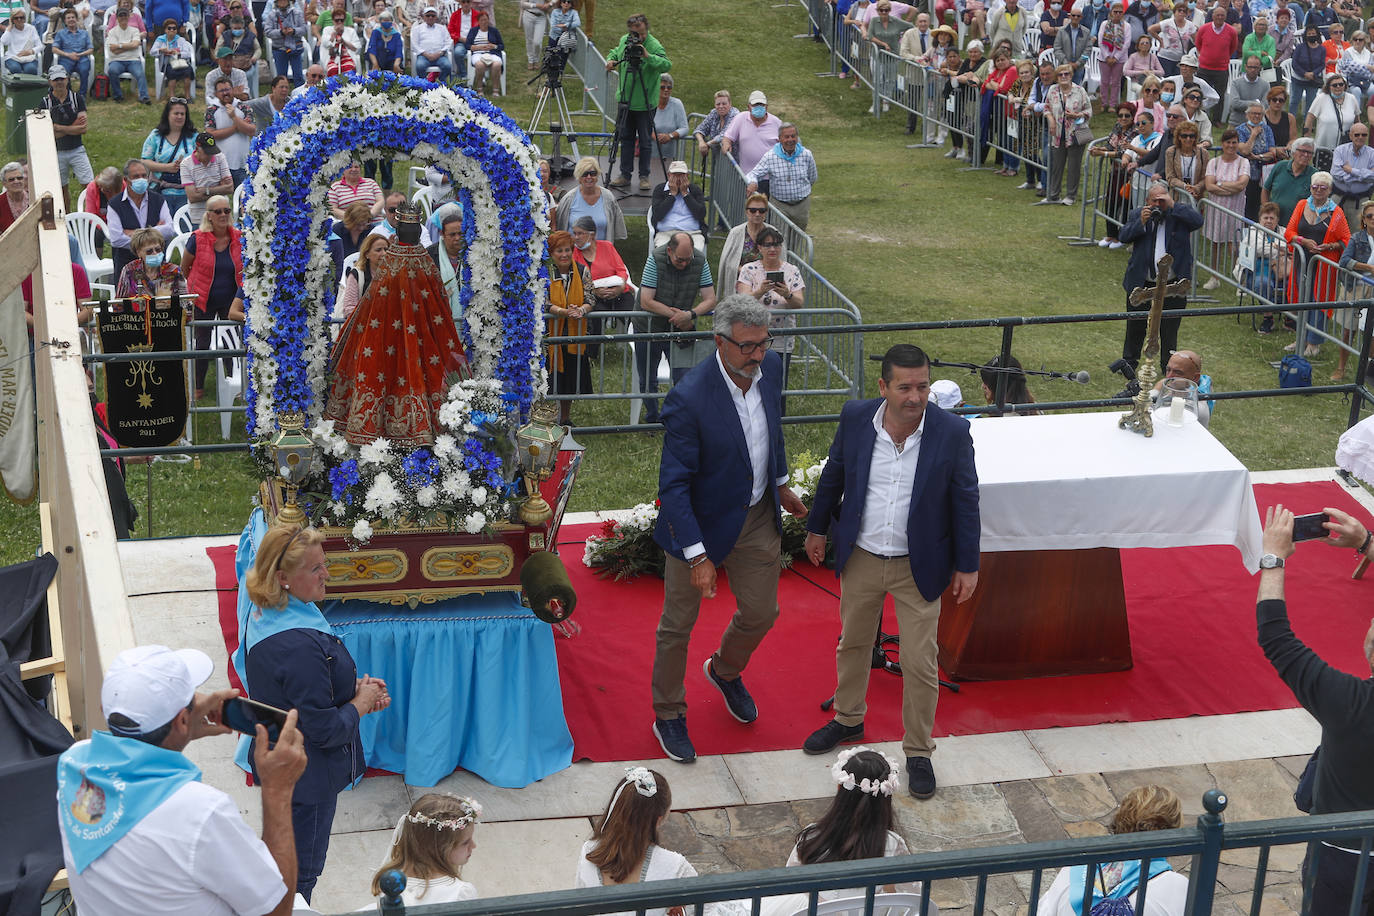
409, 213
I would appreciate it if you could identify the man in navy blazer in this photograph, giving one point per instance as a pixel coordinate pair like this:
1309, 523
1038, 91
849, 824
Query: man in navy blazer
1142, 227
721, 482
899, 495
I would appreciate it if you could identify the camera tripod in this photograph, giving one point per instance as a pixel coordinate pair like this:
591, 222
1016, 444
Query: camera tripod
554, 90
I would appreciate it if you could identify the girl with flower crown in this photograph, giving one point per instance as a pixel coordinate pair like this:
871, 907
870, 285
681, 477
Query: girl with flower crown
624, 849
858, 824
431, 844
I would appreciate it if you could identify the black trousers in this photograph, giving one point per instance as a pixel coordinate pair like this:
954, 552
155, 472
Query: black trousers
1334, 881
1168, 332
638, 129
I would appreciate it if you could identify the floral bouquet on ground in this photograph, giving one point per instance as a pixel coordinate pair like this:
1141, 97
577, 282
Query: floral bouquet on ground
625, 549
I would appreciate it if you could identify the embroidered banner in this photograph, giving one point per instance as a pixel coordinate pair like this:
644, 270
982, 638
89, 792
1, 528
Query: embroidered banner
18, 446
147, 399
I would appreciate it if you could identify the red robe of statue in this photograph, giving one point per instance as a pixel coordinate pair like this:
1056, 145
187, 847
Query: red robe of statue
387, 371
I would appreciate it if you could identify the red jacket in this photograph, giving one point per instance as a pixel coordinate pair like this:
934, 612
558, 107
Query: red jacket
199, 268
457, 28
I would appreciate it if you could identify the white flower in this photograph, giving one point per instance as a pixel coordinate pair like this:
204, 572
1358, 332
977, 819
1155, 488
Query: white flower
479, 496
382, 496
445, 445
378, 451
426, 496
362, 531
475, 523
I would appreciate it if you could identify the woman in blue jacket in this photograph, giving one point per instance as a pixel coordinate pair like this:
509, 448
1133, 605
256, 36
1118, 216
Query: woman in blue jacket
294, 661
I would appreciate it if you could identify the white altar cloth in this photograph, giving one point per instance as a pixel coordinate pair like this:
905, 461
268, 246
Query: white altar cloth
1076, 481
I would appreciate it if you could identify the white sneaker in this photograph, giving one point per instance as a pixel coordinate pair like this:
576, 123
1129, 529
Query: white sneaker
1103, 242
1043, 202
1068, 201
1114, 245
961, 156
951, 154
1212, 283
1025, 186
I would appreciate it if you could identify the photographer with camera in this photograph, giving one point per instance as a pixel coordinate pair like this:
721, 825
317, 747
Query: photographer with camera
641, 60
1159, 227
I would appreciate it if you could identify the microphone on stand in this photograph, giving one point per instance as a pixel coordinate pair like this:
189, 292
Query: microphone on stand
1081, 376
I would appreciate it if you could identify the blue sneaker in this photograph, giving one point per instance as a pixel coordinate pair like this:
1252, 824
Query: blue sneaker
737, 699
672, 737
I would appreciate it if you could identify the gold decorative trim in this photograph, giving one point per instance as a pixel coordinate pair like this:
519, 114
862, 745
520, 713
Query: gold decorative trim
273, 498
467, 562
376, 567
414, 597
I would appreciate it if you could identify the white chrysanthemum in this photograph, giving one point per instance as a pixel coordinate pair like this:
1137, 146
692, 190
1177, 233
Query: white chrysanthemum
426, 496
456, 483
445, 445
382, 496
479, 496
362, 530
378, 451
475, 523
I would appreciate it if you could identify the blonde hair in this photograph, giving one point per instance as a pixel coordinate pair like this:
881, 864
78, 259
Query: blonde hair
421, 851
140, 237
1148, 808
282, 549
584, 165
212, 203
357, 215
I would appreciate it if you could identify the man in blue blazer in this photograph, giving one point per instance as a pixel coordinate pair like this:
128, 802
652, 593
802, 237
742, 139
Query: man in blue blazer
721, 481
899, 495
1143, 227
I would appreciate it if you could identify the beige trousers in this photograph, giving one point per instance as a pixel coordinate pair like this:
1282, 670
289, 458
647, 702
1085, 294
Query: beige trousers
867, 579
753, 565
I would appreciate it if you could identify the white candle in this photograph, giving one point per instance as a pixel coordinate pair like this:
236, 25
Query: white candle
1176, 412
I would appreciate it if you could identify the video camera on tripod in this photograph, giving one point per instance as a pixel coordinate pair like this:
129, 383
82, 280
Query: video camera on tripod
555, 61
634, 50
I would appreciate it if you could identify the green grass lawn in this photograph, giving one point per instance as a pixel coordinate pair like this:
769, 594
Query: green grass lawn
905, 234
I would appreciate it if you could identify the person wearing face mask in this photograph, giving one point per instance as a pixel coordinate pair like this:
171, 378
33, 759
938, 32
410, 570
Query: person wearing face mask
1054, 18
754, 135
610, 276
1309, 69
1095, 12
137, 208
146, 271
385, 49
1332, 114
1175, 36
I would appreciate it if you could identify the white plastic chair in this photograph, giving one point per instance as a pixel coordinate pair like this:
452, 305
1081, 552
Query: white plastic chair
236, 205
424, 199
417, 178
883, 905
84, 226
176, 248
182, 219
228, 383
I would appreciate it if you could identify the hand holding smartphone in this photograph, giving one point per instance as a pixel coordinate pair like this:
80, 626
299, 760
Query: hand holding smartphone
244, 715
1310, 527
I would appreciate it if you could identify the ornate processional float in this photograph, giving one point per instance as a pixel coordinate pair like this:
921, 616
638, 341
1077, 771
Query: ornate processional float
460, 511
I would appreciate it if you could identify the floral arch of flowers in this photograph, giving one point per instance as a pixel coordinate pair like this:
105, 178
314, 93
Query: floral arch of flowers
289, 288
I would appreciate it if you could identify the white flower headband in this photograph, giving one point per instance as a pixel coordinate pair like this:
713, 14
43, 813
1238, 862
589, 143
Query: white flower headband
641, 779
470, 807
872, 787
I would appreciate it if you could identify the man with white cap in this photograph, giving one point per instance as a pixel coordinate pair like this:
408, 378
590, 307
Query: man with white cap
679, 206
1187, 78
430, 43
140, 832
946, 394
754, 135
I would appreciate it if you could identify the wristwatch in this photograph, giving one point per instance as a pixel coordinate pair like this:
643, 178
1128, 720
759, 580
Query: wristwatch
1269, 561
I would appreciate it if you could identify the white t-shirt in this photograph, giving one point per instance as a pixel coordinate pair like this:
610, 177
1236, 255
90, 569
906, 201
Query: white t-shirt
192, 854
235, 146
1167, 896
420, 892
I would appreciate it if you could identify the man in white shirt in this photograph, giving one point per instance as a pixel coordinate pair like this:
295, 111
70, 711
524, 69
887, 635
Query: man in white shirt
141, 834
231, 128
722, 480
224, 57
430, 43
387, 227
314, 75
907, 525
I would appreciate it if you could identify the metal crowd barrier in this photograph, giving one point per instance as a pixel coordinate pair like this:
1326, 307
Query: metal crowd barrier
728, 193
600, 87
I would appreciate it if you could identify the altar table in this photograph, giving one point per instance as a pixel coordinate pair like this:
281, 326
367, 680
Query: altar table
1058, 495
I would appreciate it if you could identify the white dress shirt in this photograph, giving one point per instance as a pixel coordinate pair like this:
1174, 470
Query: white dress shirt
426, 39
163, 224
891, 475
754, 421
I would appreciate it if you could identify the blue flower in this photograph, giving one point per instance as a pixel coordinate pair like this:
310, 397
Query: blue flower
341, 478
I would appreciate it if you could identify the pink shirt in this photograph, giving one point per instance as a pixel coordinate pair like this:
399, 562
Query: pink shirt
750, 141
341, 195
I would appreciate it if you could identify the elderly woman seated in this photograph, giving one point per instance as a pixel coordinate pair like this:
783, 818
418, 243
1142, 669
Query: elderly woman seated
150, 273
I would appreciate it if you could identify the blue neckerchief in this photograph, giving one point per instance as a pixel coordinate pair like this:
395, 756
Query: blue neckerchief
1123, 878
255, 624
106, 785
1324, 208
782, 153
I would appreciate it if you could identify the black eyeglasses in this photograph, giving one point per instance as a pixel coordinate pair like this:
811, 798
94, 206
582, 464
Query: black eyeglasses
747, 349
590, 173
220, 211
757, 209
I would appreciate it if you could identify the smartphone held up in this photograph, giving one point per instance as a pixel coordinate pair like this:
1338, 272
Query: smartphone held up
244, 715
1310, 527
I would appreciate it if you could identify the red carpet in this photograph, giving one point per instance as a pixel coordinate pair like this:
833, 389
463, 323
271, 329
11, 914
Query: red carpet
1192, 631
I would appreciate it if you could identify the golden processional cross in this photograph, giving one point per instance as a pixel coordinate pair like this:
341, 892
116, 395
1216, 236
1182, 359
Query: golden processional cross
1139, 419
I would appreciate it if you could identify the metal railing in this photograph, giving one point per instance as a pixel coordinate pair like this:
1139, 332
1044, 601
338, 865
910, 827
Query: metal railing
728, 193
1204, 843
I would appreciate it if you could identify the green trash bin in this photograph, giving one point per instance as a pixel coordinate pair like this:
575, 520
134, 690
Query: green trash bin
23, 93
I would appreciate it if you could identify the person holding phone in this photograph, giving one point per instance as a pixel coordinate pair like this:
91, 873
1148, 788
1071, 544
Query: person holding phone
1342, 703
177, 844
778, 285
289, 657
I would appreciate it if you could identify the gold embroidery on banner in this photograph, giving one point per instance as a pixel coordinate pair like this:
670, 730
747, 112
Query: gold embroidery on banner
375, 567
480, 561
